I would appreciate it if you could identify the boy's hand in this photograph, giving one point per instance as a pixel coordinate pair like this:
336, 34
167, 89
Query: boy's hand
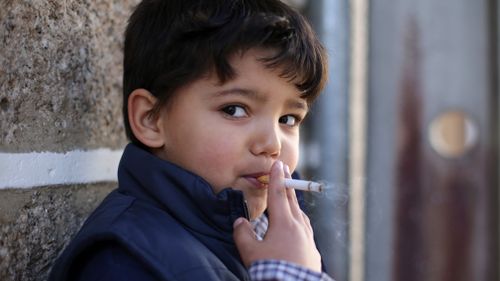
289, 236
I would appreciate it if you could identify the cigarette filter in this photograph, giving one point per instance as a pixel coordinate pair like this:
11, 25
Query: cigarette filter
297, 184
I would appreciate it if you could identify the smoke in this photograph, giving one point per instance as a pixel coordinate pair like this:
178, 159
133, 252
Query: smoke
336, 194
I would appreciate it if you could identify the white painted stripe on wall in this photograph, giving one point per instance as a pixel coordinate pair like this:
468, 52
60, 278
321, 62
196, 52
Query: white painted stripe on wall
25, 170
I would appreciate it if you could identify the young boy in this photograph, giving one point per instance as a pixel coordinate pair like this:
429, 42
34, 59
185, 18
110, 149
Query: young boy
214, 92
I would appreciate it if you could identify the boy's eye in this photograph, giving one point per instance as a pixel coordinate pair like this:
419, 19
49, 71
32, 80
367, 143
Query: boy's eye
289, 120
235, 111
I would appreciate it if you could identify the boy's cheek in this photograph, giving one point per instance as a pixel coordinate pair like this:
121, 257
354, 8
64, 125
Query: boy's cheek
290, 155
216, 163
220, 152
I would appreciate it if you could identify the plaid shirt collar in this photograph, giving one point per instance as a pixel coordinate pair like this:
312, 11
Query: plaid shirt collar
260, 225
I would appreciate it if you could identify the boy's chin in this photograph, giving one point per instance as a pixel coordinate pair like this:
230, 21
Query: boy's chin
255, 209
256, 200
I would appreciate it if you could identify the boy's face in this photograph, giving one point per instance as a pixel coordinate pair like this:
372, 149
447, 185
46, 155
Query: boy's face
232, 133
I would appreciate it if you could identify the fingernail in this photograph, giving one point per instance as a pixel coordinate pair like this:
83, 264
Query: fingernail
279, 165
237, 222
287, 169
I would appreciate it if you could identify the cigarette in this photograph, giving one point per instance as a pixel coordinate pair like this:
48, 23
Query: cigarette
297, 184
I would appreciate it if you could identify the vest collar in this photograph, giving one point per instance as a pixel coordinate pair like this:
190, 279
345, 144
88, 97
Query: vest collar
186, 196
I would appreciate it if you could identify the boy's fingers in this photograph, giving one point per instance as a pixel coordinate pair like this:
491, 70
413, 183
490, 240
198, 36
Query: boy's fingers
277, 201
245, 240
308, 224
287, 171
294, 204
292, 197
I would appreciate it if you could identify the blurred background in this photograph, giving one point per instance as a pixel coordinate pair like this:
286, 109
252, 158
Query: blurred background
405, 135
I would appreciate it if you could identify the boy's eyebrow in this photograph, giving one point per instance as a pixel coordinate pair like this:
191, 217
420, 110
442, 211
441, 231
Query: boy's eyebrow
298, 104
293, 103
242, 92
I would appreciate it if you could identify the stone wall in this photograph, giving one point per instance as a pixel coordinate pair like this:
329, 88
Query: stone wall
60, 91
36, 224
60, 74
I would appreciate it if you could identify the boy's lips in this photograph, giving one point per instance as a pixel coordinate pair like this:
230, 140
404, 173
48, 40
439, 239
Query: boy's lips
253, 179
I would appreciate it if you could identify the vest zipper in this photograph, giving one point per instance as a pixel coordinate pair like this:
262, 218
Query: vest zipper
245, 210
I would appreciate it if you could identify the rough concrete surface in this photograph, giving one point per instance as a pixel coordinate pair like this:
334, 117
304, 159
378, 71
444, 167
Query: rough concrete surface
60, 74
36, 224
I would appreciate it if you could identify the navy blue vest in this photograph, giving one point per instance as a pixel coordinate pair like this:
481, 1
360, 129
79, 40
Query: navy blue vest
166, 217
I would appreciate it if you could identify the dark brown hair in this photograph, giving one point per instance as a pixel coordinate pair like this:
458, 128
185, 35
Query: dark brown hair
170, 43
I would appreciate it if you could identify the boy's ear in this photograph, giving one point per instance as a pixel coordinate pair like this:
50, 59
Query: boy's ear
144, 124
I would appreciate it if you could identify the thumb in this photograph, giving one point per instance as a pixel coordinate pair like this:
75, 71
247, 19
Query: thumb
245, 240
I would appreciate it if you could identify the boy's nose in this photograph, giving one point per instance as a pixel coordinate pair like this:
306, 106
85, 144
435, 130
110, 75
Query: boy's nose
266, 141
